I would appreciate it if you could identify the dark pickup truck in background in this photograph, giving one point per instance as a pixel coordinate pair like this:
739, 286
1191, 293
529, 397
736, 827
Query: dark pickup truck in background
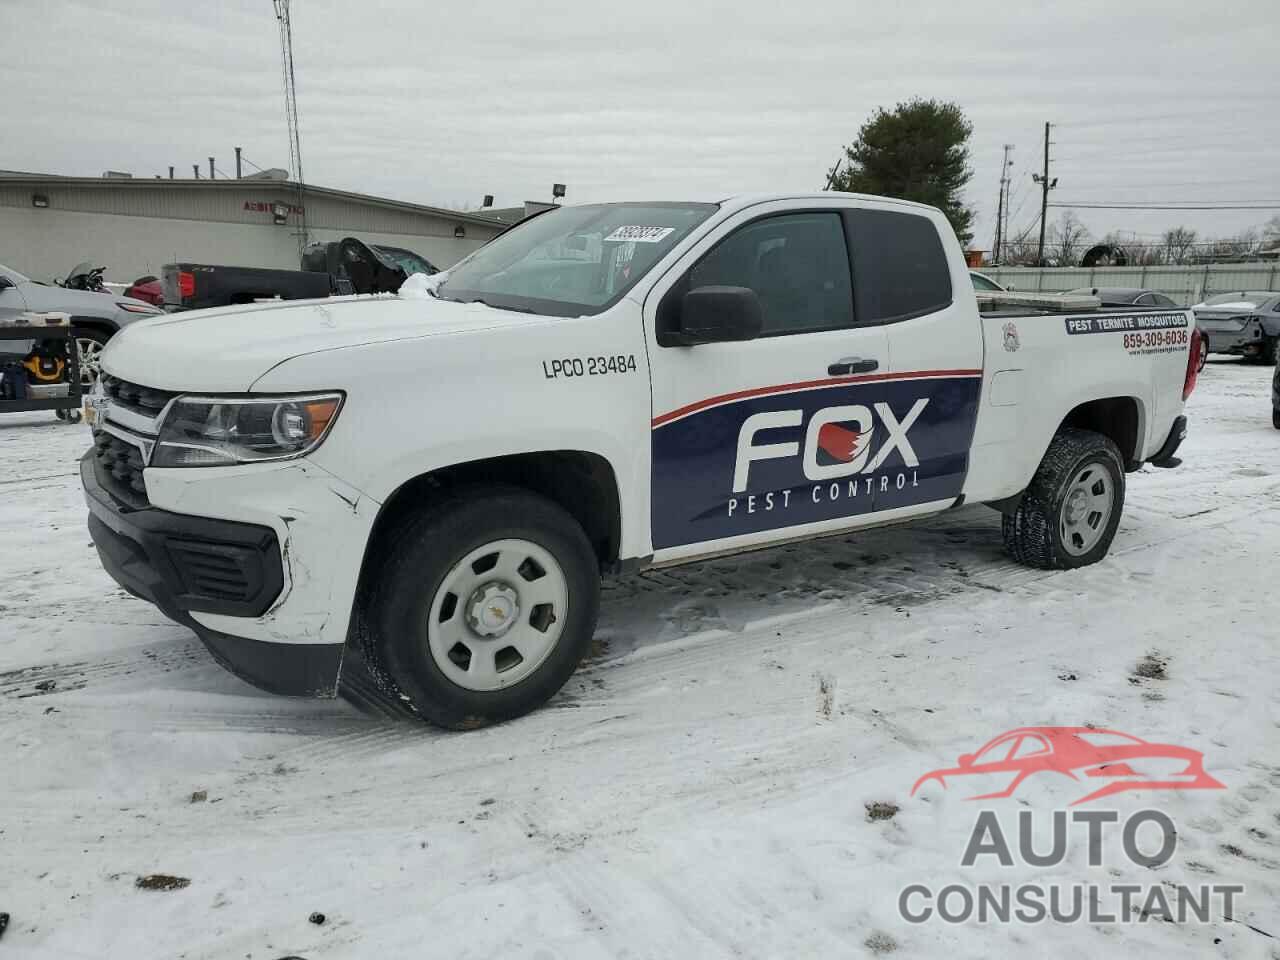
328, 269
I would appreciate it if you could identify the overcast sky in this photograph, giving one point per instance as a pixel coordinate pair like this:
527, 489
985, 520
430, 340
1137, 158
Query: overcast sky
1166, 101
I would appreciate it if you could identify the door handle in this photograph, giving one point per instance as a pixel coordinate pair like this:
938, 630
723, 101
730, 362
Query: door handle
852, 365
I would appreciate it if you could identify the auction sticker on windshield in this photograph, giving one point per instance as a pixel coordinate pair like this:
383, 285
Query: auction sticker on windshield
639, 234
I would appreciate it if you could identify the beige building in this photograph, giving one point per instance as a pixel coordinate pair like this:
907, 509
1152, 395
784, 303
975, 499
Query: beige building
133, 226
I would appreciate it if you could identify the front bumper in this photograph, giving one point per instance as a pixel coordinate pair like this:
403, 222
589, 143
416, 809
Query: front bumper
194, 567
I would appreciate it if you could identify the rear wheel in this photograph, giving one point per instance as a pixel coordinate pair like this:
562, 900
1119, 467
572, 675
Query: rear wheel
483, 608
1069, 514
1268, 354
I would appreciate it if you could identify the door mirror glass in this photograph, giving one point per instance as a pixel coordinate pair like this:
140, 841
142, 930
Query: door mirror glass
718, 315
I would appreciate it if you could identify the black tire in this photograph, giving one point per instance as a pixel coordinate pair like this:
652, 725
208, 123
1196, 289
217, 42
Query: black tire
393, 616
1275, 418
1032, 533
1268, 354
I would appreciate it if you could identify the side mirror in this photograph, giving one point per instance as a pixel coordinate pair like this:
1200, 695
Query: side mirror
966, 759
718, 315
5, 282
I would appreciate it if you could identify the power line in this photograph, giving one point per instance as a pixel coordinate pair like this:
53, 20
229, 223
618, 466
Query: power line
1144, 118
1246, 205
1183, 183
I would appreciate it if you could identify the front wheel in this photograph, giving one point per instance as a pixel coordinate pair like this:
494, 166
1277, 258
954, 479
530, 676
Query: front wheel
483, 608
1275, 418
1069, 514
89, 343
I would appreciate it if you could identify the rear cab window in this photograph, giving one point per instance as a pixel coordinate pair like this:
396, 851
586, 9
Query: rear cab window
900, 269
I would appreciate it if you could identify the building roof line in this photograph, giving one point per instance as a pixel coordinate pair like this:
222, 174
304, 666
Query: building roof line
10, 178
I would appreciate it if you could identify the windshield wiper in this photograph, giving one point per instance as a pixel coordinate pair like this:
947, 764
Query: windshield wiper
497, 306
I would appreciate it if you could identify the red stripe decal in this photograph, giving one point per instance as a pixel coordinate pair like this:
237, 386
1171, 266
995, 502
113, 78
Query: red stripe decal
806, 385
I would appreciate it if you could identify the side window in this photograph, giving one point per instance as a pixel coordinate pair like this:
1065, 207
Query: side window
998, 752
1146, 300
1162, 301
797, 264
900, 270
1028, 747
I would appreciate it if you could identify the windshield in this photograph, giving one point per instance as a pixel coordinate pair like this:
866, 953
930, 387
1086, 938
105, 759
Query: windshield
406, 260
573, 261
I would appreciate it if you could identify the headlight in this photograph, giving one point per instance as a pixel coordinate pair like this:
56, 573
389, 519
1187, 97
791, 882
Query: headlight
216, 431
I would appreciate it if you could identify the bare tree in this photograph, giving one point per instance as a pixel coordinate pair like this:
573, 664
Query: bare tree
1243, 245
1020, 248
1271, 235
1179, 242
1065, 240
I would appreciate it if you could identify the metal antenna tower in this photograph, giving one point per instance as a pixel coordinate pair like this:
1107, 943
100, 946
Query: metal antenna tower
291, 114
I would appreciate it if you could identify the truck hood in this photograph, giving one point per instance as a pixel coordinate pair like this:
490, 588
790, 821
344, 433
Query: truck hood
227, 349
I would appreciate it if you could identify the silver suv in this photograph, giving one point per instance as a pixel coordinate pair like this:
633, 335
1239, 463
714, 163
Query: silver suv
95, 316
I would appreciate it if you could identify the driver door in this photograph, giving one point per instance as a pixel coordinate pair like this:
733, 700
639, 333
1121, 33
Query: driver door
12, 303
757, 441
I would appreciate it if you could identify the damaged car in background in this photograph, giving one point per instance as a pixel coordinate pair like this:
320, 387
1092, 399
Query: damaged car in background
1244, 324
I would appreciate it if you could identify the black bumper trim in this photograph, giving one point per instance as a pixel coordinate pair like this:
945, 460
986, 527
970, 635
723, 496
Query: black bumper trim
287, 669
134, 546
1165, 455
183, 562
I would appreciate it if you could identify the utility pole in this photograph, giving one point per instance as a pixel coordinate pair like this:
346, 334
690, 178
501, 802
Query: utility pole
1000, 203
1045, 186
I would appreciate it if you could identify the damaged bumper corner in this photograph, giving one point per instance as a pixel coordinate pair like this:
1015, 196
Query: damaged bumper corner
268, 592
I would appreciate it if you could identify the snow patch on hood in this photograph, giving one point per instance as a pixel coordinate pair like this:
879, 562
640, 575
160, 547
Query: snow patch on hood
422, 287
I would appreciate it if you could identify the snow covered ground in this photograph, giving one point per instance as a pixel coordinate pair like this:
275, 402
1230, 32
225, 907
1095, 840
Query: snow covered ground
698, 790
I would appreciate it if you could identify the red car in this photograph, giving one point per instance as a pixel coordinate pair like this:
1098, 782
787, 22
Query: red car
147, 289
1122, 761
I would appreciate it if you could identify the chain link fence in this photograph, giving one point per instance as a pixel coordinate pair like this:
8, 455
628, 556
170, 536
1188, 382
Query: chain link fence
1186, 285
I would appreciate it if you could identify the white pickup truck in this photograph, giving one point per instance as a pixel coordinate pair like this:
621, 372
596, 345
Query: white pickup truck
439, 479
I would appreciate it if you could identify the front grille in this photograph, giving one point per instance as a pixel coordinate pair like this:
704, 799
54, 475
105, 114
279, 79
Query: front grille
147, 401
219, 571
118, 465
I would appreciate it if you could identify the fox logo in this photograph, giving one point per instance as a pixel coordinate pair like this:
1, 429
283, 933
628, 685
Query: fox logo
841, 434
